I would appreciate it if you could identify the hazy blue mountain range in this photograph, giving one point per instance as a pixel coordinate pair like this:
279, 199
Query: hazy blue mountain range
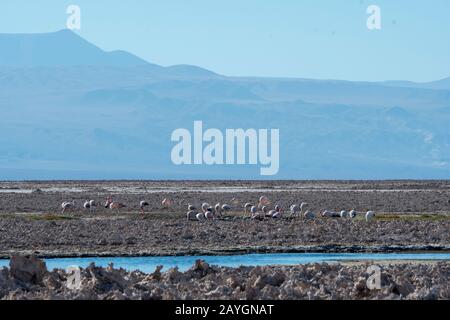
63, 48
69, 110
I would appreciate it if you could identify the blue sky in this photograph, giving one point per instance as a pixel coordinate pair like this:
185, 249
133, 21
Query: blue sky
323, 39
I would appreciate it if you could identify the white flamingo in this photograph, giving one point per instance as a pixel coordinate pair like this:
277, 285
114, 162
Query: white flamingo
142, 206
218, 209
344, 214
278, 213
295, 209
191, 215
191, 207
90, 205
254, 212
353, 214
271, 213
370, 215
67, 205
303, 206
200, 216
247, 207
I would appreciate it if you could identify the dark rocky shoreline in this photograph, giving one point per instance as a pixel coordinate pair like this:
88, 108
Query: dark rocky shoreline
236, 251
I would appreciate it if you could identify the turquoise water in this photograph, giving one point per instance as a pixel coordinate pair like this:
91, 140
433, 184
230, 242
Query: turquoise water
148, 264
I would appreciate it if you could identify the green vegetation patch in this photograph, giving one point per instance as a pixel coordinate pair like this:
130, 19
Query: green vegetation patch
51, 217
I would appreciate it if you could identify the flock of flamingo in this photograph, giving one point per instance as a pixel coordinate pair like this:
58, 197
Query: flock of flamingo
260, 211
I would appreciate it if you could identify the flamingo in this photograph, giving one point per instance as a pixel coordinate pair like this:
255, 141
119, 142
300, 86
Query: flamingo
209, 214
166, 203
265, 210
330, 214
353, 214
218, 209
344, 214
278, 213
116, 205
295, 209
191, 207
67, 205
370, 215
113, 204
142, 205
310, 215
200, 217
271, 213
205, 207
254, 212
303, 206
91, 205
247, 207
226, 207
263, 201
191, 215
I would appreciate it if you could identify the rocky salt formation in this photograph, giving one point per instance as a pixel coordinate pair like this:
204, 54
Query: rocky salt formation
27, 278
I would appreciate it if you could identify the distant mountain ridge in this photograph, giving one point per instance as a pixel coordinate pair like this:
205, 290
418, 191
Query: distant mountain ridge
62, 48
442, 84
67, 49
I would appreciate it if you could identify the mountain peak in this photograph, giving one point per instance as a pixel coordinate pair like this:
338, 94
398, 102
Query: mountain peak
56, 49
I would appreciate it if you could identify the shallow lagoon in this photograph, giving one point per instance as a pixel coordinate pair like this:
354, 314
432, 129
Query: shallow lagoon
148, 264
